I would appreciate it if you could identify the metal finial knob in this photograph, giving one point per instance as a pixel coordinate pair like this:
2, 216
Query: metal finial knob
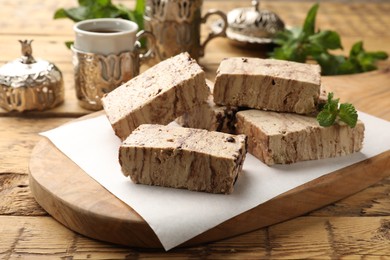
255, 4
27, 57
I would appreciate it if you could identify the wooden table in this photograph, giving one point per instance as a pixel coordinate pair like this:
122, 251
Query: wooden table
357, 226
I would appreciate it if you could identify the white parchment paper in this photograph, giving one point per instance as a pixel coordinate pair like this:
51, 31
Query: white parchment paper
178, 215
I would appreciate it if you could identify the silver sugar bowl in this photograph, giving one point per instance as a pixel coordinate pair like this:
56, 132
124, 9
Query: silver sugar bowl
30, 84
253, 25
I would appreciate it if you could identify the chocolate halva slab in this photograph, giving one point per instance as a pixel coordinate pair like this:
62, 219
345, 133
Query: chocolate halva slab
158, 95
267, 84
178, 157
283, 138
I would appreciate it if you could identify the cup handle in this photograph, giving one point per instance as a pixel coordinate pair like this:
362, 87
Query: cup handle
213, 34
149, 54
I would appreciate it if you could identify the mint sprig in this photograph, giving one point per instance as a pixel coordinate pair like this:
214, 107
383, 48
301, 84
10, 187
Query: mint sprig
90, 9
303, 43
332, 111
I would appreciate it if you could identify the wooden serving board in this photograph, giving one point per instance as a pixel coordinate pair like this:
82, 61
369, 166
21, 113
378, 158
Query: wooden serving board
83, 205
80, 203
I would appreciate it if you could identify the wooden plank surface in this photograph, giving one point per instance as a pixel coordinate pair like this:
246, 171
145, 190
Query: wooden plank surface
355, 227
335, 238
363, 90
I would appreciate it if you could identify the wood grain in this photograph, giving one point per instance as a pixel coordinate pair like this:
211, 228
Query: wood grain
363, 90
334, 238
353, 228
373, 201
16, 197
17, 139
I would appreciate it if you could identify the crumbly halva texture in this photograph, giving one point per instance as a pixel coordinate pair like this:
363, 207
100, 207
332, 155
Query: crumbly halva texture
210, 116
213, 117
323, 98
283, 138
187, 158
267, 84
158, 95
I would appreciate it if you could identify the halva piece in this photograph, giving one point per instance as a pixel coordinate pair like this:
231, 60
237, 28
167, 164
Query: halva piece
267, 84
282, 138
158, 95
210, 116
178, 157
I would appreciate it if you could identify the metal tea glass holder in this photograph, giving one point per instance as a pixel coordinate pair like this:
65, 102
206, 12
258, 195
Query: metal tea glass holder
96, 74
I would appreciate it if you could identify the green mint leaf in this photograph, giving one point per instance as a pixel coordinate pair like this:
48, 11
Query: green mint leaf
68, 44
362, 60
77, 14
296, 32
330, 97
282, 37
328, 115
330, 64
356, 49
379, 55
315, 49
85, 2
331, 111
140, 6
326, 118
309, 24
90, 9
346, 67
366, 62
327, 40
332, 104
300, 44
348, 114
60, 13
279, 53
103, 2
103, 12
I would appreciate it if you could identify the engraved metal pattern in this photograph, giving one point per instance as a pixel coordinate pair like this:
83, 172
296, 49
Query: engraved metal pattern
176, 26
253, 22
96, 75
173, 38
174, 10
32, 92
29, 84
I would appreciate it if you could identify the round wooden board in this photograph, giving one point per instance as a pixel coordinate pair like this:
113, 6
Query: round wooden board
80, 203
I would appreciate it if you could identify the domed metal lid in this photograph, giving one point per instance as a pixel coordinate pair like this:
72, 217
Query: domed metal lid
251, 22
27, 83
26, 71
